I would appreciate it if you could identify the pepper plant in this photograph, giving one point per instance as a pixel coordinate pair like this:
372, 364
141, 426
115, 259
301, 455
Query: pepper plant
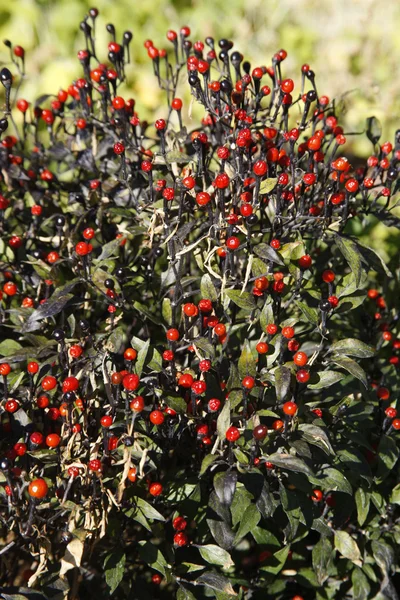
199, 358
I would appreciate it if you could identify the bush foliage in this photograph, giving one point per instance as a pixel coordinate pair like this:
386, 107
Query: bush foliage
199, 362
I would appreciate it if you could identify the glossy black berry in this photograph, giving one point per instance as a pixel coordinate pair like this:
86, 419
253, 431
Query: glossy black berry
5, 77
311, 96
3, 125
193, 80
210, 42
127, 37
128, 441
325, 305
224, 44
110, 284
119, 273
58, 335
60, 221
158, 252
252, 219
246, 67
69, 396
84, 325
236, 58
110, 28
4, 464
226, 86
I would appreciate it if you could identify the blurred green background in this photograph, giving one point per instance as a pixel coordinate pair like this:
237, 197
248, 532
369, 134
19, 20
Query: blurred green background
352, 45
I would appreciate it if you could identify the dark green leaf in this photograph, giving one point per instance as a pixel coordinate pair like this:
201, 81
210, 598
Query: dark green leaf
250, 519
374, 130
266, 252
208, 289
322, 558
311, 314
361, 587
388, 454
9, 347
244, 300
282, 383
347, 546
362, 499
352, 255
148, 510
326, 379
224, 420
317, 436
141, 357
352, 367
247, 361
216, 555
225, 486
215, 581
152, 556
289, 462
353, 347
114, 567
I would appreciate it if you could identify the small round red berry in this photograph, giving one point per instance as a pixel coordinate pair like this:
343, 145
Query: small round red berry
179, 524
157, 417
70, 384
156, 578
287, 86
10, 288
53, 440
176, 104
262, 348
214, 405
328, 276
88, 233
82, 248
222, 181
38, 488
300, 359
290, 408
190, 310
119, 148
248, 382
260, 168
203, 198
130, 382
232, 243
137, 404
220, 329
317, 495
95, 465
383, 393
36, 438
396, 424
168, 355
132, 474
391, 412
271, 329
155, 489
11, 406
305, 261
260, 432
288, 332
232, 434
302, 376
172, 335
5, 369
106, 421
181, 539
48, 383
130, 354
205, 365
160, 124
